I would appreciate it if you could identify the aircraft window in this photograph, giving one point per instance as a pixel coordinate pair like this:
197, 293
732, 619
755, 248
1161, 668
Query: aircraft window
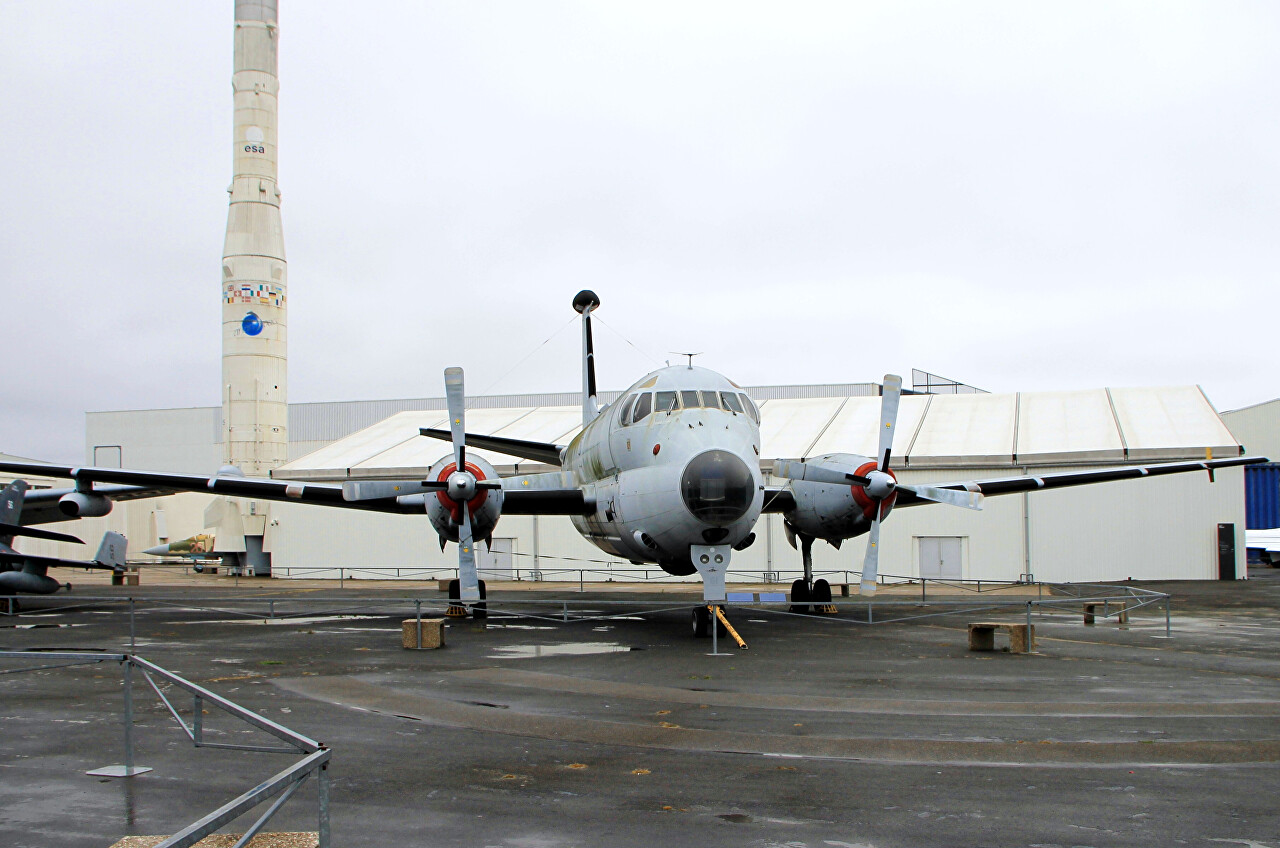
666, 402
731, 401
644, 405
711, 400
689, 399
749, 407
625, 417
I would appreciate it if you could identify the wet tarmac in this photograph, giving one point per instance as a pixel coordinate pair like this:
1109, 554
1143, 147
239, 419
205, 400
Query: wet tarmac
528, 733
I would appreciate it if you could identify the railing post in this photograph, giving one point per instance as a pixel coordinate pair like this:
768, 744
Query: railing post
322, 792
132, 631
128, 716
923, 583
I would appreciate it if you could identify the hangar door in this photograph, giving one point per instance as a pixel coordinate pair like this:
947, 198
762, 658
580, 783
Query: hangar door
940, 557
495, 562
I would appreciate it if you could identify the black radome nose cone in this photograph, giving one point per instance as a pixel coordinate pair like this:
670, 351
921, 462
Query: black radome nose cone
717, 487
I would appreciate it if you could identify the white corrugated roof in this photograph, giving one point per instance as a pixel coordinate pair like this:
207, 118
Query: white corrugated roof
1038, 428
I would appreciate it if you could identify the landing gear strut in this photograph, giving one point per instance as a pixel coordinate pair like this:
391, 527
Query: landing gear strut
806, 590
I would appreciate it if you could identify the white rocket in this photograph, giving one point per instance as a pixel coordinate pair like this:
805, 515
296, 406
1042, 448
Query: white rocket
254, 399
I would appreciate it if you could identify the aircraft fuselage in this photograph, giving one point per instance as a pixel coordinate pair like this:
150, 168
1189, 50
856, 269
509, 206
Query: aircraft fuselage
685, 430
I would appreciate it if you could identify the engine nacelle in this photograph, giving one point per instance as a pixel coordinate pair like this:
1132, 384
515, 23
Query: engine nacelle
485, 507
84, 505
831, 511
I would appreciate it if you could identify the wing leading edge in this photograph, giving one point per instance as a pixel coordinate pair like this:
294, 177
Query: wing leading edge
779, 498
531, 494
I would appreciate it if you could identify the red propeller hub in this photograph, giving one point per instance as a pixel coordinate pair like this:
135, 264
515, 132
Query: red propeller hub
865, 501
473, 505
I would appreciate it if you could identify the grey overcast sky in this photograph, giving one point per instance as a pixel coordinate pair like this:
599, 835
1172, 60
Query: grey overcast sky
1023, 196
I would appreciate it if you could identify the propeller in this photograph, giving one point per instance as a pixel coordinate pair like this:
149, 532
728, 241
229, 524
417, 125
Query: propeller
461, 486
878, 483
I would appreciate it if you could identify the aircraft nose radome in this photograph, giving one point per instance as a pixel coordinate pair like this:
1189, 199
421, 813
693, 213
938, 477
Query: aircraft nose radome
717, 487
158, 550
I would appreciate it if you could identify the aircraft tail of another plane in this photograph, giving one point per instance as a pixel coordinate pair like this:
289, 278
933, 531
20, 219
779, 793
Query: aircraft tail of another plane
11, 502
112, 551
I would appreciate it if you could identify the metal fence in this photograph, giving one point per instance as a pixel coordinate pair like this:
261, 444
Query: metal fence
284, 784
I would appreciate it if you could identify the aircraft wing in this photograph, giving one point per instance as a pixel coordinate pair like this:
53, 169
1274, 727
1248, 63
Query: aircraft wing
530, 494
40, 506
1264, 540
1033, 483
536, 451
51, 562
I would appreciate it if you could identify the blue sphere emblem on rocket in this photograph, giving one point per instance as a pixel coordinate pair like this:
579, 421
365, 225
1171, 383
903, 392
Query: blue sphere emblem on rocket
251, 324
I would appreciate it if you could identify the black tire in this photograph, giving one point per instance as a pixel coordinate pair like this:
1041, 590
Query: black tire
701, 622
481, 610
821, 596
799, 597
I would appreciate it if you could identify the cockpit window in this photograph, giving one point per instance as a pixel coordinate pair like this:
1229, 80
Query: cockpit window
750, 407
689, 399
666, 402
644, 405
625, 417
711, 400
731, 401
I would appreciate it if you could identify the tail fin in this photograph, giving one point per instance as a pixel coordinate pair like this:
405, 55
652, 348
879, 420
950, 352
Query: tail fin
11, 502
112, 551
584, 302
11, 509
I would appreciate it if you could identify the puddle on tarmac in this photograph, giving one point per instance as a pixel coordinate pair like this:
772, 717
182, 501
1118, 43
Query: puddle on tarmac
520, 652
38, 626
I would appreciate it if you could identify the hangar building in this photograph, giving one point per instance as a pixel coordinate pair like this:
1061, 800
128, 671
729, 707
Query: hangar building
1166, 528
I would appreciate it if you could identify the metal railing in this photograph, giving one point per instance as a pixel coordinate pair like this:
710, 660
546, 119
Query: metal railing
947, 598
283, 784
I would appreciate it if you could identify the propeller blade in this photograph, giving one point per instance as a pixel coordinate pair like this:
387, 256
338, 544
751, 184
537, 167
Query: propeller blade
871, 562
888, 418
455, 399
953, 497
468, 580
796, 470
370, 490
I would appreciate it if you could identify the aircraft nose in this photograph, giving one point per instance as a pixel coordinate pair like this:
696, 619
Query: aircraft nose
717, 487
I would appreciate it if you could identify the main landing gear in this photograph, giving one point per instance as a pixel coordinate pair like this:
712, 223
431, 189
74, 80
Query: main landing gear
457, 609
806, 591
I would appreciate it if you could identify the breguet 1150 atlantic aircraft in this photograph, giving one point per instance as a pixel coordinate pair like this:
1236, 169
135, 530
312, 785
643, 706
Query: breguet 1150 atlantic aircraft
669, 474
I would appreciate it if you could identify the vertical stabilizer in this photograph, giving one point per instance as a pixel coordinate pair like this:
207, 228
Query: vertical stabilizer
112, 551
11, 508
11, 502
585, 302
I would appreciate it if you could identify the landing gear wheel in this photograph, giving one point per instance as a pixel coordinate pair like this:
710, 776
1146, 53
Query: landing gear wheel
799, 597
821, 597
701, 622
481, 610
